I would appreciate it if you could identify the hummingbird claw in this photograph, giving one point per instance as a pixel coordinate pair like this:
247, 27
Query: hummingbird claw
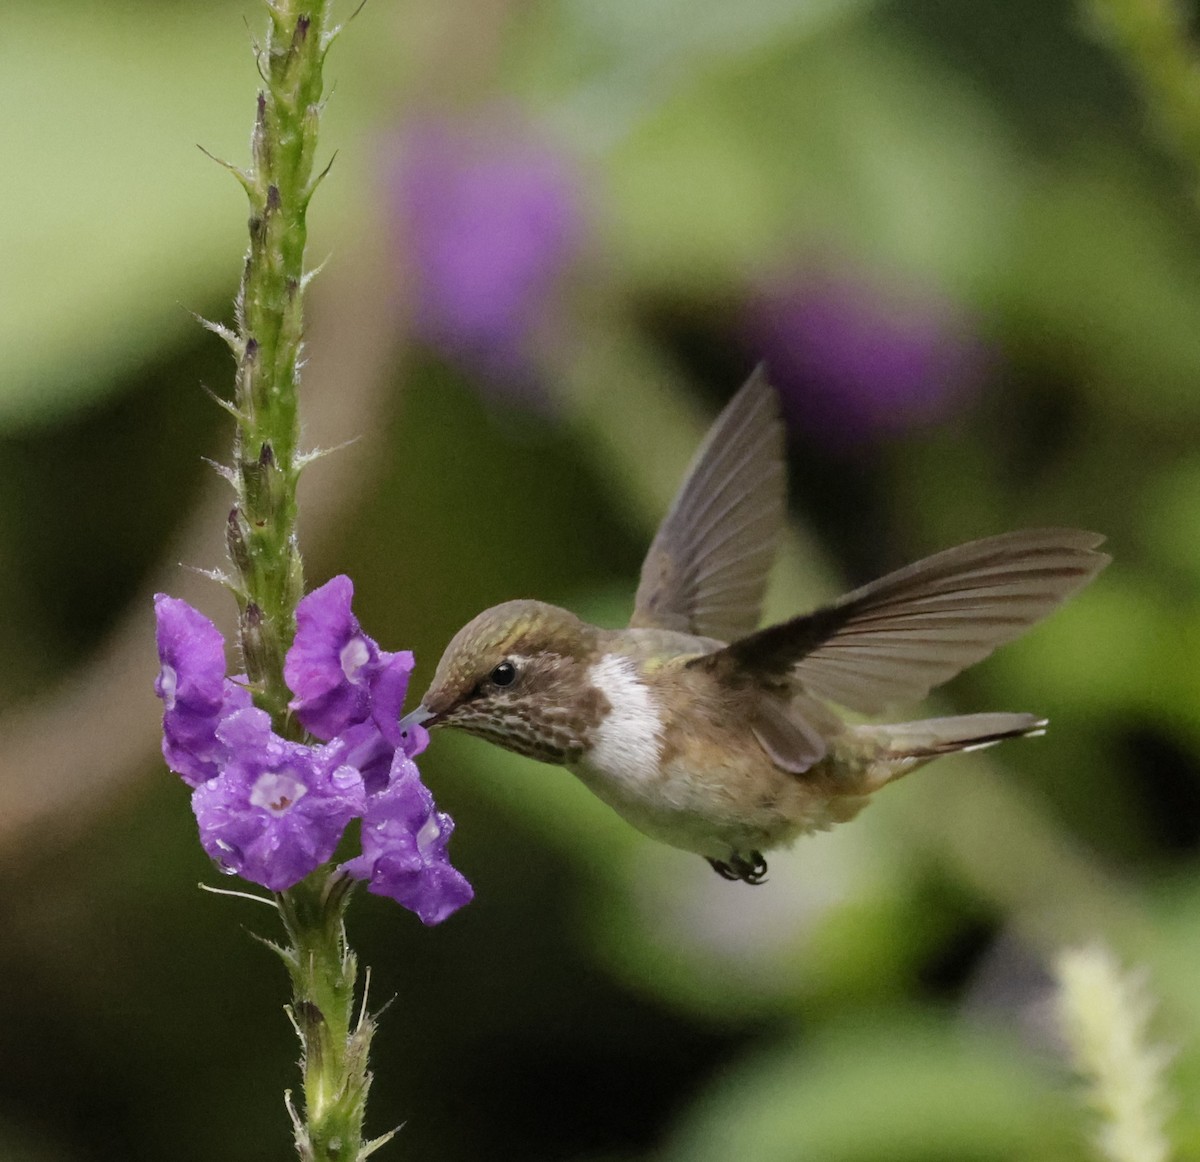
752, 870
723, 869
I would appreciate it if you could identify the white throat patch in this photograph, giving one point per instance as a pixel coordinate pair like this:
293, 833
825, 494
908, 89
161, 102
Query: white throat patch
628, 742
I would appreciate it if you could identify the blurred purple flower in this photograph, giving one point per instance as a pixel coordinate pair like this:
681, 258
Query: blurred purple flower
277, 809
492, 218
858, 361
273, 810
195, 693
404, 839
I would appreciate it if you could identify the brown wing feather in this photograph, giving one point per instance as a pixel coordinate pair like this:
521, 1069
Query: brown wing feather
897, 638
706, 571
795, 733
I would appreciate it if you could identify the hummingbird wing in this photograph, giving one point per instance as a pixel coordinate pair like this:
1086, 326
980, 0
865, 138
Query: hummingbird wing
794, 731
897, 638
706, 571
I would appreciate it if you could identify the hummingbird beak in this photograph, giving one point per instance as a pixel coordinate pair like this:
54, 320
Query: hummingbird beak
419, 717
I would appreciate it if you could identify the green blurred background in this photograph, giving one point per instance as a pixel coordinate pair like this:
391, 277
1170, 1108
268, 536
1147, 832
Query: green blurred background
559, 235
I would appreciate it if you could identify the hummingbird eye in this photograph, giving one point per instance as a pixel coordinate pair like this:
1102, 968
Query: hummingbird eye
505, 674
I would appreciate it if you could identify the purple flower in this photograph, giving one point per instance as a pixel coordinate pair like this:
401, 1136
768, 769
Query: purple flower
404, 839
345, 685
491, 218
273, 810
339, 675
278, 809
857, 360
195, 693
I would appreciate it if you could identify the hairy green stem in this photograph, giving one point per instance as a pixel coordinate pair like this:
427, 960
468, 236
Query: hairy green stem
336, 1041
267, 574
261, 533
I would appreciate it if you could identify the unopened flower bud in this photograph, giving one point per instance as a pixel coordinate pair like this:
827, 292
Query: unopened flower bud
252, 631
235, 541
258, 483
248, 377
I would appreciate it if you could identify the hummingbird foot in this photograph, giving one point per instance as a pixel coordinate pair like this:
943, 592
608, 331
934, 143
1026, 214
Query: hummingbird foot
749, 870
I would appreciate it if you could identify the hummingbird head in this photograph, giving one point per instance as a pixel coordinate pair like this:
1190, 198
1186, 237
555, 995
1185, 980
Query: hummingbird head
517, 675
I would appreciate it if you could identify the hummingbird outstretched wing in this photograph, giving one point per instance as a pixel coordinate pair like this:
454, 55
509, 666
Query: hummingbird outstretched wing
706, 571
897, 638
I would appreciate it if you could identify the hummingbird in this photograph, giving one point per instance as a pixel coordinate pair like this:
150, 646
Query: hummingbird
719, 738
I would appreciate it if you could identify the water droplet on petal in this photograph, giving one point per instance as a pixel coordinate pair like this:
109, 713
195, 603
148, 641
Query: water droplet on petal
346, 777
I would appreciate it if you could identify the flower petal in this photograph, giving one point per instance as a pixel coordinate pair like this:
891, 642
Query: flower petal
191, 652
278, 809
331, 663
195, 693
389, 684
404, 856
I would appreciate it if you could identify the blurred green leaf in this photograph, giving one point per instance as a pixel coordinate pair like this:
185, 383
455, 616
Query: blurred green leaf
844, 143
1112, 278
909, 1087
609, 65
1168, 517
1116, 646
108, 215
112, 224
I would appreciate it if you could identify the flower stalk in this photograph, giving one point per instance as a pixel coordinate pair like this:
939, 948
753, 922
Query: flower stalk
336, 1043
267, 571
268, 577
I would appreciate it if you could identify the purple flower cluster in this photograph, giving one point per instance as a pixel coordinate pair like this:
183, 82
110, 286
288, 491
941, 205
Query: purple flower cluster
272, 810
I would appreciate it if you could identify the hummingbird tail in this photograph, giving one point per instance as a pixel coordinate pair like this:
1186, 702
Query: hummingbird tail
908, 745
